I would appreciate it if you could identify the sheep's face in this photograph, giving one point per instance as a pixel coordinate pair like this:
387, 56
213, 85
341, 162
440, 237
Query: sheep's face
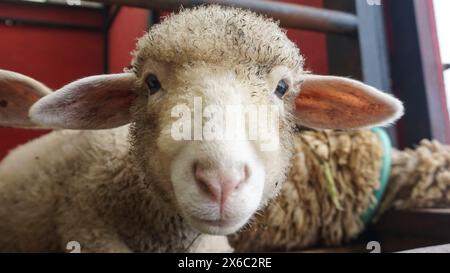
217, 170
187, 72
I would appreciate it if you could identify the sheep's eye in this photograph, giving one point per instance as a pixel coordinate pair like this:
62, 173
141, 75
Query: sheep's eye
153, 84
281, 89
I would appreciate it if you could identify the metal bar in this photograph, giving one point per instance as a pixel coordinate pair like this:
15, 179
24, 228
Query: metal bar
51, 4
372, 41
374, 51
290, 15
416, 72
153, 17
10, 21
344, 56
407, 72
112, 16
105, 36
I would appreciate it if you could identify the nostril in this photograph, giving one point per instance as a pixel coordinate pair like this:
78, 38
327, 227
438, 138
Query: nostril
245, 175
203, 181
203, 185
247, 172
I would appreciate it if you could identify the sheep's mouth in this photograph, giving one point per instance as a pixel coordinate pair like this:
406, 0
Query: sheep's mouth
216, 223
215, 227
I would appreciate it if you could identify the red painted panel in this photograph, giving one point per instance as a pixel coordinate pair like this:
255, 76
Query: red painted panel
53, 56
312, 45
130, 24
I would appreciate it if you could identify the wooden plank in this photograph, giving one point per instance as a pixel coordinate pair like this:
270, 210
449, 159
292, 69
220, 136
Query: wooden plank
430, 223
401, 231
408, 229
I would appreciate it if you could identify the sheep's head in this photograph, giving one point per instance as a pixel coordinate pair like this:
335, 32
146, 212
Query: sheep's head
188, 73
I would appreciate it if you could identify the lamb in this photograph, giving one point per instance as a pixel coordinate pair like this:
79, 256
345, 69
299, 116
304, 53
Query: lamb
112, 176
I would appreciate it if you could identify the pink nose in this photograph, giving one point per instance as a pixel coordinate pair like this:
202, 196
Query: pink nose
220, 184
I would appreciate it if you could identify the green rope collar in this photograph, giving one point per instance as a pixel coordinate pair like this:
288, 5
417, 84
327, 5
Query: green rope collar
384, 174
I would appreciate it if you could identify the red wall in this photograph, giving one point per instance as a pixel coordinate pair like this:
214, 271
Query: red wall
53, 56
130, 24
312, 45
57, 56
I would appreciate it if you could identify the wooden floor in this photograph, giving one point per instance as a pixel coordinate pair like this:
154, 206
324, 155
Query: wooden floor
423, 231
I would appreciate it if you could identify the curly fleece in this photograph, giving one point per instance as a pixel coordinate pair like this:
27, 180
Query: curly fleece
215, 34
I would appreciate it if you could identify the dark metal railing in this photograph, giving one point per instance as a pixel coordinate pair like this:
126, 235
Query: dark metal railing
10, 21
289, 15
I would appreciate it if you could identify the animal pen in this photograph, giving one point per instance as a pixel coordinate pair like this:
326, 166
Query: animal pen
381, 45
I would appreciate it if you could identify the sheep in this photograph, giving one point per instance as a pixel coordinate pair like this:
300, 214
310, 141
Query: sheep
420, 178
114, 179
309, 211
308, 214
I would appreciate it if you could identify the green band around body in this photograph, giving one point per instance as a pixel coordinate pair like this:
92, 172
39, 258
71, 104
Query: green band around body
384, 175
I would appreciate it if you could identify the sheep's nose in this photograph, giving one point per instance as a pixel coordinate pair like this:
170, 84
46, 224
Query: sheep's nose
219, 183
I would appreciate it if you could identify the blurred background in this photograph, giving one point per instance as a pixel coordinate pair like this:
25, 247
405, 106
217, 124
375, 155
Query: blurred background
442, 9
401, 47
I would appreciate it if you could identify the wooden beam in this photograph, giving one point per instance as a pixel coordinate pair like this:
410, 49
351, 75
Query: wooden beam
400, 230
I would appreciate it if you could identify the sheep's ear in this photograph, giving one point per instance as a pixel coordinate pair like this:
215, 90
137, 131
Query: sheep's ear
327, 102
17, 94
97, 102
